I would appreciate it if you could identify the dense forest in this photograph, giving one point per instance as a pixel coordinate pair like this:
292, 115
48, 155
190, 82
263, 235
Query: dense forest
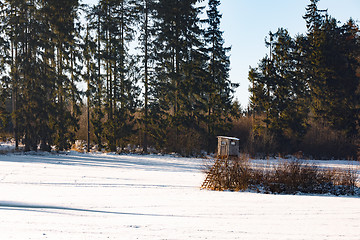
155, 74
305, 92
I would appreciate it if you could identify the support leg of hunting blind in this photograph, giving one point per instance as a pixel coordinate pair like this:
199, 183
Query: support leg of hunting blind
213, 174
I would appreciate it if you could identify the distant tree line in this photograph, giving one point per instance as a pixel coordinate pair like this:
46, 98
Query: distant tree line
151, 68
308, 79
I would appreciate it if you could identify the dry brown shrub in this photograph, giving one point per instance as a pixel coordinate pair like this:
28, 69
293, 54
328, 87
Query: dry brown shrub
289, 177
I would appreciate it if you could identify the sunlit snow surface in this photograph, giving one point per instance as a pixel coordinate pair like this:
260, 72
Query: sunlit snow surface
108, 196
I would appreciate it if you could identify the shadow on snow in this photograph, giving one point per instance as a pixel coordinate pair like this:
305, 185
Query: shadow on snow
137, 162
5, 205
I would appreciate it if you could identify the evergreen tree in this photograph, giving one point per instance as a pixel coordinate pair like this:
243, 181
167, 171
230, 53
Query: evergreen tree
332, 62
89, 48
146, 10
92, 48
24, 29
10, 36
177, 46
219, 88
40, 61
313, 75
4, 79
63, 54
288, 113
3, 58
279, 89
116, 92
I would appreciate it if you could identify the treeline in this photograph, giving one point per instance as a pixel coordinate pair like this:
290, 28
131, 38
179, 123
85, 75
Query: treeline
306, 83
151, 68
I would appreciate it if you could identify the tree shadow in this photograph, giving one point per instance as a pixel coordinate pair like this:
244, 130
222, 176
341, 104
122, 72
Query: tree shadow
137, 162
19, 206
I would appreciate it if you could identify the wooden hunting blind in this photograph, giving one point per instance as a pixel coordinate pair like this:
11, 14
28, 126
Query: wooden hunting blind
228, 146
228, 153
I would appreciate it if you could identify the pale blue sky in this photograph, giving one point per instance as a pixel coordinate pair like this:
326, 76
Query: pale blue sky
246, 23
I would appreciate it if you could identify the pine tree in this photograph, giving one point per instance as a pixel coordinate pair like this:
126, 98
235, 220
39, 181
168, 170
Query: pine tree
4, 59
288, 113
312, 75
24, 29
219, 88
116, 91
10, 31
332, 64
146, 10
4, 79
177, 27
63, 48
40, 61
92, 47
279, 89
88, 49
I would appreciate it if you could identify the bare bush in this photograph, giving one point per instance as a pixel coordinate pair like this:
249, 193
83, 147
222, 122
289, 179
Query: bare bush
287, 177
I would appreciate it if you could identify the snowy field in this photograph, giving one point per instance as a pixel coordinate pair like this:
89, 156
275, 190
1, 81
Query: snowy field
108, 196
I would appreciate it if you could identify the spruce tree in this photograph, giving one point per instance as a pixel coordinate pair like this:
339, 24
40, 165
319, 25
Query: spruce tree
219, 88
92, 47
288, 111
279, 89
332, 63
4, 78
24, 31
116, 91
63, 48
88, 50
40, 61
10, 36
177, 27
146, 11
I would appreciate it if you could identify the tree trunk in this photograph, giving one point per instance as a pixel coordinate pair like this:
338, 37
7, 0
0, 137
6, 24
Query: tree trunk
146, 82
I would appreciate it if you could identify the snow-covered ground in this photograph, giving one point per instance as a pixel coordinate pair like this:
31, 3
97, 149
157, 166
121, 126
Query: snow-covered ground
108, 196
